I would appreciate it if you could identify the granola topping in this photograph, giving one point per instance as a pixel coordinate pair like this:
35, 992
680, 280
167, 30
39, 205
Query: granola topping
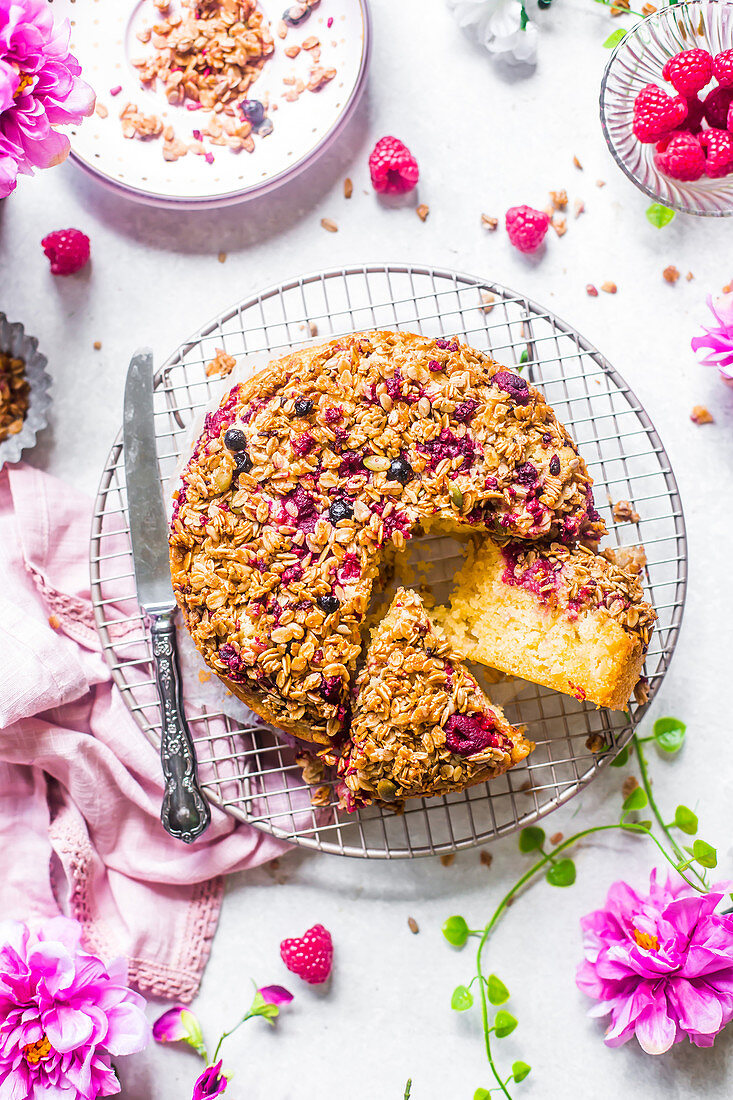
275, 545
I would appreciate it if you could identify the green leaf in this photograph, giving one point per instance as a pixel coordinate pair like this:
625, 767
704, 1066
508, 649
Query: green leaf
705, 854
614, 39
622, 759
669, 734
504, 1024
561, 873
482, 1094
520, 1070
194, 1036
498, 992
524, 357
531, 839
456, 931
659, 215
462, 998
523, 19
685, 820
637, 800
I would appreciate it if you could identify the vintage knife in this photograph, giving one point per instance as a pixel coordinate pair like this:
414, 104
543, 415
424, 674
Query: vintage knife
185, 813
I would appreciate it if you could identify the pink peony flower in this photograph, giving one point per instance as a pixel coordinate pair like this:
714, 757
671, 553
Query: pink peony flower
210, 1083
719, 338
40, 88
661, 965
62, 1014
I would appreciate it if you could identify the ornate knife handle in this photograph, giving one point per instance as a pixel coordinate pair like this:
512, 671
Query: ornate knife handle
185, 813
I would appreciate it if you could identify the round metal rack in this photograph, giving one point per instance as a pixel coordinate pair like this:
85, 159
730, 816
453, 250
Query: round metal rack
247, 768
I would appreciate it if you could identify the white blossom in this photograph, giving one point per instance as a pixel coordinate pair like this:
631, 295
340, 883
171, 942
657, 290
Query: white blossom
498, 26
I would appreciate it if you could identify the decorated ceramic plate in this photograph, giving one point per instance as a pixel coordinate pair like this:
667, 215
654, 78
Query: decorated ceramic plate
201, 103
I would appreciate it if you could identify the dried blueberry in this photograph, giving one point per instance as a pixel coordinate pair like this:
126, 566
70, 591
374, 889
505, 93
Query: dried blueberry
340, 509
265, 128
242, 463
235, 439
253, 111
554, 465
400, 470
296, 14
303, 407
329, 604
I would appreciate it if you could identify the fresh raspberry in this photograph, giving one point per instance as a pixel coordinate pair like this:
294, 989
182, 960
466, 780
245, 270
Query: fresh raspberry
718, 146
392, 166
723, 68
716, 105
310, 956
656, 113
67, 249
526, 227
689, 71
695, 115
681, 157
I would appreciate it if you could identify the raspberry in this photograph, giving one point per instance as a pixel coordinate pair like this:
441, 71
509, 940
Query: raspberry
716, 105
689, 71
67, 249
526, 227
392, 167
723, 68
718, 146
681, 157
310, 956
695, 115
656, 113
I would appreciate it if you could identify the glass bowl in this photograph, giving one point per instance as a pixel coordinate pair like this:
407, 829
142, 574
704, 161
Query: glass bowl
638, 60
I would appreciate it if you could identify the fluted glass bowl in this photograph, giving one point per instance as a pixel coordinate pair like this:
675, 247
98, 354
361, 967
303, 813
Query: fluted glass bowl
638, 60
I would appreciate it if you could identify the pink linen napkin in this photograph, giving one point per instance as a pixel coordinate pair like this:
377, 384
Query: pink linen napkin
80, 786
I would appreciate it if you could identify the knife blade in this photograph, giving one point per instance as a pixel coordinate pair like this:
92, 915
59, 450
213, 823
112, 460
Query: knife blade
185, 813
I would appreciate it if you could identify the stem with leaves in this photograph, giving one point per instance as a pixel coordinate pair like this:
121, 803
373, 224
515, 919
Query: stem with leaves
669, 736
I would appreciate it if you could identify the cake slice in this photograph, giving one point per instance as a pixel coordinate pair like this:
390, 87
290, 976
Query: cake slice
560, 616
421, 725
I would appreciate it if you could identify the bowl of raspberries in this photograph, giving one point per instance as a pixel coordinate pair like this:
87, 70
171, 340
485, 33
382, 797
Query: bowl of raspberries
667, 106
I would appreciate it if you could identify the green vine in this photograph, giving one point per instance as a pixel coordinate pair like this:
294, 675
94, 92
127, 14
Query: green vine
690, 863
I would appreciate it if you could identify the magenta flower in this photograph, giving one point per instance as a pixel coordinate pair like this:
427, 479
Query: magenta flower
718, 339
173, 1025
275, 995
40, 88
210, 1083
62, 1014
661, 965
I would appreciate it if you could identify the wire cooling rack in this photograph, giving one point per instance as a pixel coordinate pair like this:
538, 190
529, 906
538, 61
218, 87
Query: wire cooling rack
245, 767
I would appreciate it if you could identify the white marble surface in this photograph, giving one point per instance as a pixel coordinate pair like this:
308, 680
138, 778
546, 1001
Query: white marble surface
485, 140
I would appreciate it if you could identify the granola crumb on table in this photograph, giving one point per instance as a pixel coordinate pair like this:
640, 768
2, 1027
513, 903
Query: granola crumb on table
701, 415
311, 470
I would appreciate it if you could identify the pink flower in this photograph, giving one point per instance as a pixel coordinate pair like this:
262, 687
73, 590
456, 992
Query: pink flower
172, 1027
660, 965
40, 88
210, 1083
719, 338
275, 995
62, 1014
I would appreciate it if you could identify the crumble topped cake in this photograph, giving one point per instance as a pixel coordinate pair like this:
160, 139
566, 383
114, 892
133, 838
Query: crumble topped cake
421, 724
311, 469
561, 616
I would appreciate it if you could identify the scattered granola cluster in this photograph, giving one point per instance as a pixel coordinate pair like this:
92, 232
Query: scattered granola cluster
14, 395
206, 56
421, 723
307, 474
